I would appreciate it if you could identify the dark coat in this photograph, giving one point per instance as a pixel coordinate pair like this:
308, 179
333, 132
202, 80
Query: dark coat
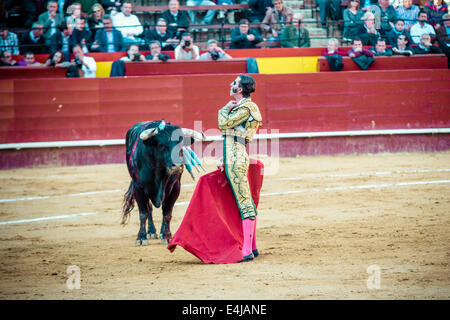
151, 35
28, 45
182, 21
240, 41
101, 39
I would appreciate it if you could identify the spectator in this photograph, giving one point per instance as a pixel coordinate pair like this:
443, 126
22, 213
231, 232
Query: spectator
209, 14
6, 59
258, 10
51, 20
276, 19
177, 21
408, 12
128, 24
387, 16
352, 19
61, 40
367, 31
73, 13
160, 33
86, 65
8, 40
29, 61
402, 47
421, 27
85, 6
186, 49
56, 59
33, 41
380, 48
111, 6
108, 39
443, 36
399, 28
333, 48
244, 38
95, 20
295, 35
443, 30
133, 54
214, 52
155, 52
435, 10
362, 57
357, 49
425, 46
81, 36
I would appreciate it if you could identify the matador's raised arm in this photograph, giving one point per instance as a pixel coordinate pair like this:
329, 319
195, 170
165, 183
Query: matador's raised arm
234, 118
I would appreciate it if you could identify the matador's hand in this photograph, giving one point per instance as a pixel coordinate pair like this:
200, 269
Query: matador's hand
231, 105
220, 166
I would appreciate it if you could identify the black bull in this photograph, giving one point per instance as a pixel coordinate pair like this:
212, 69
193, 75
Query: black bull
155, 164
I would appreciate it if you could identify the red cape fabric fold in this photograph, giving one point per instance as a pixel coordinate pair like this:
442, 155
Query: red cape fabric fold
212, 227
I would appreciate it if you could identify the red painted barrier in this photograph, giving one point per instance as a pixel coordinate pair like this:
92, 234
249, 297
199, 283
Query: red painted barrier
235, 53
420, 61
32, 72
172, 67
104, 108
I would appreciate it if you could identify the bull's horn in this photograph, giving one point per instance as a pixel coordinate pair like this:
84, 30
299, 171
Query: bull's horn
200, 136
148, 133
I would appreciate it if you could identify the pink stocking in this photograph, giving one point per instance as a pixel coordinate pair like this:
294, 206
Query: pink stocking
248, 227
254, 236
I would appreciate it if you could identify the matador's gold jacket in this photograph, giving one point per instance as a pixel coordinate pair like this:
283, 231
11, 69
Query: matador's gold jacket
238, 126
242, 121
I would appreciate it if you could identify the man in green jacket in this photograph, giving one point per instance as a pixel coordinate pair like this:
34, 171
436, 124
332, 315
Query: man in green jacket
294, 35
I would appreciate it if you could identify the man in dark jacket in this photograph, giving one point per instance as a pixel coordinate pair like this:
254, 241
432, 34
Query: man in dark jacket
33, 41
61, 40
108, 39
177, 20
243, 38
165, 37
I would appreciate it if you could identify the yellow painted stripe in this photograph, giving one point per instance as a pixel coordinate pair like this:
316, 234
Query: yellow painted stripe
287, 65
103, 69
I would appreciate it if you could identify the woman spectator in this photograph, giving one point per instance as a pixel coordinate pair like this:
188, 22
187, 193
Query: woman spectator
56, 59
95, 19
352, 20
133, 54
435, 10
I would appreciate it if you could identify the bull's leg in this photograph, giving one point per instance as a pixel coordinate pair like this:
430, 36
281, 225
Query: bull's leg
167, 208
143, 205
151, 233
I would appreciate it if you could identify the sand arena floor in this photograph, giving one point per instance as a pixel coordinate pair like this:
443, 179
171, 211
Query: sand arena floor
329, 227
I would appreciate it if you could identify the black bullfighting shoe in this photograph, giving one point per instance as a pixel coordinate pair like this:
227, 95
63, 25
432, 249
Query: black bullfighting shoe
247, 258
255, 253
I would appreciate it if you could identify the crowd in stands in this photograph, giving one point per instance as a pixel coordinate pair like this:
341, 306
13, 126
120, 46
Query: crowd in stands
59, 27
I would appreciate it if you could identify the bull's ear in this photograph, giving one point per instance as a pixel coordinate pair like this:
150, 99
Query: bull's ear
196, 135
148, 133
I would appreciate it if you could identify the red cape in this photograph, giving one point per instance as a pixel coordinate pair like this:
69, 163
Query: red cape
212, 227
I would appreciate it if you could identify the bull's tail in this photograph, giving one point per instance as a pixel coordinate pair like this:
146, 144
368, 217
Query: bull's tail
128, 203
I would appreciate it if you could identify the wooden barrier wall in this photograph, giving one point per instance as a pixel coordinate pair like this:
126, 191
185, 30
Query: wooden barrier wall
86, 109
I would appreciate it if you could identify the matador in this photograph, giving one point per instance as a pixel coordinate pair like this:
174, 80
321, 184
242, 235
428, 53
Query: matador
239, 120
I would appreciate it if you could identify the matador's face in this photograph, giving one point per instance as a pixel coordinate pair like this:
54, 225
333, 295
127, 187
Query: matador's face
234, 87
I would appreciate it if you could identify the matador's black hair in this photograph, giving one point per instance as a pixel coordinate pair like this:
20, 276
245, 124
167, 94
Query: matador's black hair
247, 84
